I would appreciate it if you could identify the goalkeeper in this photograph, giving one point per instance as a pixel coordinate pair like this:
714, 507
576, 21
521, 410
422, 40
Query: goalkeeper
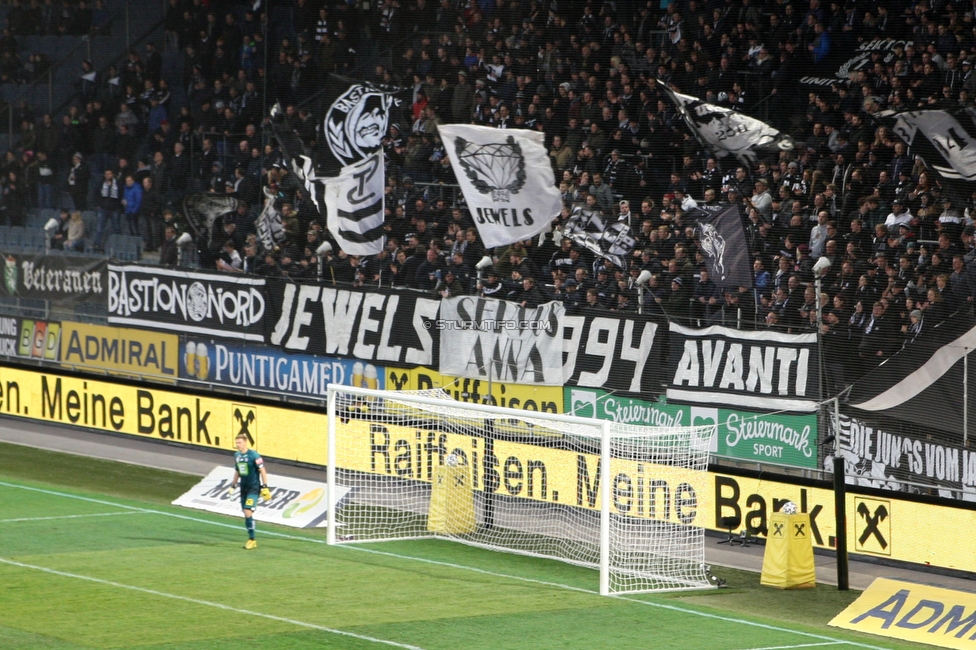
249, 469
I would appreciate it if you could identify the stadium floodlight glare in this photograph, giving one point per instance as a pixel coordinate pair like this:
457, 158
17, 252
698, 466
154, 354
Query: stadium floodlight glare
184, 239
484, 263
420, 465
326, 247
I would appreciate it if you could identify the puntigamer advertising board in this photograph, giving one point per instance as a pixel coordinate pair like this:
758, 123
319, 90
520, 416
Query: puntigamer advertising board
880, 526
779, 438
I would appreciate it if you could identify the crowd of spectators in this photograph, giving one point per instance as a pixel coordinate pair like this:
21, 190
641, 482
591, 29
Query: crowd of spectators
583, 73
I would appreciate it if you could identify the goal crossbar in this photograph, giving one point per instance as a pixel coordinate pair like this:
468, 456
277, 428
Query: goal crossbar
646, 551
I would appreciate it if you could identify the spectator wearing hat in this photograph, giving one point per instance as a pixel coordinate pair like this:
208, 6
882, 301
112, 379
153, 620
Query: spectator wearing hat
571, 296
492, 287
899, 214
449, 285
676, 305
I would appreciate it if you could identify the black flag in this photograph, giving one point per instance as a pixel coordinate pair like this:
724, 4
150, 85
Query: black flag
723, 242
726, 131
609, 240
927, 374
946, 143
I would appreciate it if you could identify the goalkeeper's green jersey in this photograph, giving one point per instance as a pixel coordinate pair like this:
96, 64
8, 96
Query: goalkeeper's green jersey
248, 466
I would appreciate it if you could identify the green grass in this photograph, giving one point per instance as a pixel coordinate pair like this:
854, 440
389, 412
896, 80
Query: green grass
135, 572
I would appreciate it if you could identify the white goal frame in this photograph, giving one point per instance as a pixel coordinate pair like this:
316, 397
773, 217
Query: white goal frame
605, 428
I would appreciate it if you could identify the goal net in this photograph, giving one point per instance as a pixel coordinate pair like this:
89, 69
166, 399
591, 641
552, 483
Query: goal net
414, 465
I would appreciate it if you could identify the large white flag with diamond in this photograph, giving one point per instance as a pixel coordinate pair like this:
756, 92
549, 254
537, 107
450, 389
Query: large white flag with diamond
506, 179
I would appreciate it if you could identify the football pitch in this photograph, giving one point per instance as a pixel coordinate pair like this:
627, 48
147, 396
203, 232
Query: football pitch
92, 556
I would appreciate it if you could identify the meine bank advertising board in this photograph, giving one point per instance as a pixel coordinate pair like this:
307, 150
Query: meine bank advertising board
894, 527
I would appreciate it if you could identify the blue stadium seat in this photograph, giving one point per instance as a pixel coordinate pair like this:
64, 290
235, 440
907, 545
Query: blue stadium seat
15, 237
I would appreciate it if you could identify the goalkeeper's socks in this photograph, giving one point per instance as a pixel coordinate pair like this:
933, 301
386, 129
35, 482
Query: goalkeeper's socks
249, 524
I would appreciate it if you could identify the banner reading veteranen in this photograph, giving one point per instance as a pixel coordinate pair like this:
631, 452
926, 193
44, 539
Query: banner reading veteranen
57, 278
486, 337
387, 328
763, 369
261, 367
181, 301
506, 179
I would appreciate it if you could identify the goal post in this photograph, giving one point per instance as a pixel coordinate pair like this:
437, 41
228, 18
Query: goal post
626, 500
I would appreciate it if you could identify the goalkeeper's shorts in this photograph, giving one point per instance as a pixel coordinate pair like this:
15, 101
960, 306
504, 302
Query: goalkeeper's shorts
250, 500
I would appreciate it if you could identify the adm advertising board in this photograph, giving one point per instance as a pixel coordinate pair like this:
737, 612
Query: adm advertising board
262, 368
777, 438
120, 350
913, 612
880, 525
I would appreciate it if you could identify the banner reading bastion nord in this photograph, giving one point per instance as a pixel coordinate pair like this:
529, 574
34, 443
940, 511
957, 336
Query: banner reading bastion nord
779, 438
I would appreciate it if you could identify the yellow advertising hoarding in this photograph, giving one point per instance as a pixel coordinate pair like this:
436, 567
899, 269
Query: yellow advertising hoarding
912, 612
144, 411
548, 399
877, 526
121, 350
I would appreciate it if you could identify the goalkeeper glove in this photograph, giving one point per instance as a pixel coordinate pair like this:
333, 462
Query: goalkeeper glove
230, 489
265, 493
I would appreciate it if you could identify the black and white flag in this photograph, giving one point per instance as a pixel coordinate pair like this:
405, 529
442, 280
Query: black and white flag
924, 382
723, 242
270, 230
725, 131
202, 209
346, 179
946, 143
506, 179
609, 240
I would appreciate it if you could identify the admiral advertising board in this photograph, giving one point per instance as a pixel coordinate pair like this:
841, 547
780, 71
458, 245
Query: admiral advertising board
120, 350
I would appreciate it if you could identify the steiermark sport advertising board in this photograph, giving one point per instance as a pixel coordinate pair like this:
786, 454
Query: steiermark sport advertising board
779, 438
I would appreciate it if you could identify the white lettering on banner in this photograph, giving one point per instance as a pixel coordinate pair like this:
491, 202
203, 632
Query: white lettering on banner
41, 278
530, 355
754, 428
699, 367
193, 301
276, 373
351, 322
631, 412
610, 352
